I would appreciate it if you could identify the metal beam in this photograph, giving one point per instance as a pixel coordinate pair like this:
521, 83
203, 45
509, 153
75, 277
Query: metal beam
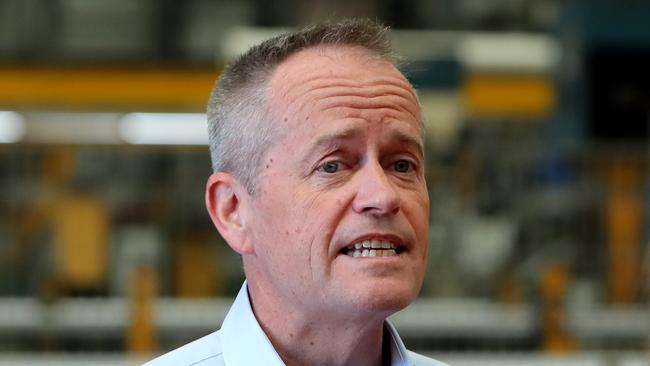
106, 88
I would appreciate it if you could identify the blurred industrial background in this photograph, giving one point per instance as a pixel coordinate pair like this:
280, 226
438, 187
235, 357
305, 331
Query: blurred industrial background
537, 115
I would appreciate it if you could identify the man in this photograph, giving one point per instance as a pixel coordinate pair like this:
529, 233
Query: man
316, 142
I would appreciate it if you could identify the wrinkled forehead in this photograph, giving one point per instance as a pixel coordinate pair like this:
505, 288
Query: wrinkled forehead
314, 67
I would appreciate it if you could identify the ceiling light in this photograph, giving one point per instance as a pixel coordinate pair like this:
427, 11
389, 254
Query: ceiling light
164, 128
12, 127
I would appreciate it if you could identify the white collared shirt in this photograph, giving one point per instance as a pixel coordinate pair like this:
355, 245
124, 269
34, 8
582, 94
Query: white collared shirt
242, 342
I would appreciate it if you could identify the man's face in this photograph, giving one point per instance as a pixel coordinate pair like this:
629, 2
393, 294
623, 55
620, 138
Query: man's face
346, 174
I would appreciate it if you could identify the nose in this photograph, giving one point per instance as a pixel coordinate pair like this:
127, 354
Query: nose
375, 194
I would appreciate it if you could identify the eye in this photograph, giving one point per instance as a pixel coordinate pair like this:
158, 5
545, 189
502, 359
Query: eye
403, 166
330, 166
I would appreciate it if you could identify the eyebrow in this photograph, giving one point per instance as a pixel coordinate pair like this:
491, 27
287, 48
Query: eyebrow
409, 139
332, 140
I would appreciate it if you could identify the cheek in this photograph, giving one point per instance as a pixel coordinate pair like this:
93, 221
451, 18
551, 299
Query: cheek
284, 225
417, 211
316, 222
270, 227
298, 216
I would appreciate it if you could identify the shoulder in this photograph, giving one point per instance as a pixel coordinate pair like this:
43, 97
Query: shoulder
203, 351
420, 360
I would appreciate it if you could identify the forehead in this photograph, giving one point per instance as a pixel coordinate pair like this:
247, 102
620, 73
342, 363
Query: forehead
322, 73
332, 60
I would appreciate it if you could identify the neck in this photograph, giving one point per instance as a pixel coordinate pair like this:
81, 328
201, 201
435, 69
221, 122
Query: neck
301, 338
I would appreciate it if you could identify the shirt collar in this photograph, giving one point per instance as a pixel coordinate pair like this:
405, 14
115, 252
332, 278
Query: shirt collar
398, 352
244, 342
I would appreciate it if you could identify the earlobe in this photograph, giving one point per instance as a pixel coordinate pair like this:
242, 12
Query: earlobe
223, 199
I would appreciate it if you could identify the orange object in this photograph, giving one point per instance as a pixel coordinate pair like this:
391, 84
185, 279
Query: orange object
623, 219
196, 268
141, 335
508, 95
80, 241
554, 282
106, 87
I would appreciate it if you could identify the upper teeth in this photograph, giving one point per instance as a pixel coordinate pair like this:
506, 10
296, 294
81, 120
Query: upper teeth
373, 244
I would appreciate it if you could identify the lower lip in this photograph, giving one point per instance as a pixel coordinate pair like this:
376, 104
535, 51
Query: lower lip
377, 258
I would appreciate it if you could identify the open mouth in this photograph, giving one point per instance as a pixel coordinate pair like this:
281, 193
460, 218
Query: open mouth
373, 248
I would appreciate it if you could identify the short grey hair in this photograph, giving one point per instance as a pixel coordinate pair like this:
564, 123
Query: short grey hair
238, 111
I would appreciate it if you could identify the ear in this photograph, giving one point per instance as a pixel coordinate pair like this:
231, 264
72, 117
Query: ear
225, 199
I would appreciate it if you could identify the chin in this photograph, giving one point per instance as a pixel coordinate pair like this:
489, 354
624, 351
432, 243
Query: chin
386, 297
